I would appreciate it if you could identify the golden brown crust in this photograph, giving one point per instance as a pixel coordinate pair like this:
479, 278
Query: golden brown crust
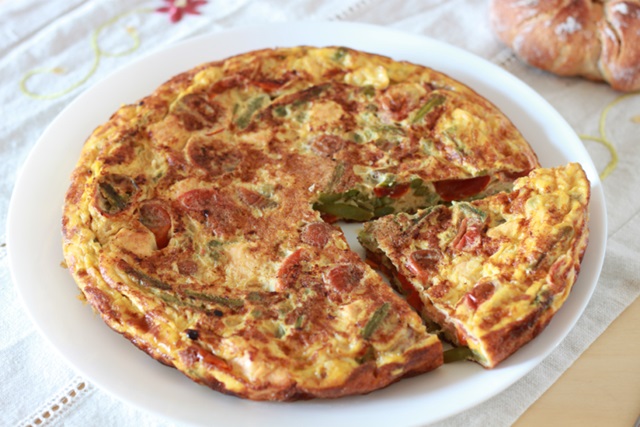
593, 39
502, 343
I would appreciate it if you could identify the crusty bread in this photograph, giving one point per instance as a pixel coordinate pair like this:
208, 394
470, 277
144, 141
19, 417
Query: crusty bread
598, 40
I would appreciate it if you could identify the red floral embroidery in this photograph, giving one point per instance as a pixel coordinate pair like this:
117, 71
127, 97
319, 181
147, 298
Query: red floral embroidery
177, 8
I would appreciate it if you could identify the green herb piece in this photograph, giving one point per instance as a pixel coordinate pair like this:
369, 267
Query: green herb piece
457, 353
340, 54
450, 135
369, 90
534, 265
388, 181
145, 280
382, 211
366, 240
215, 251
112, 202
420, 188
280, 111
344, 211
329, 197
376, 320
254, 296
432, 102
564, 233
390, 129
372, 108
543, 299
168, 297
252, 106
280, 332
351, 194
423, 191
114, 193
308, 94
299, 322
416, 183
226, 301
369, 354
214, 243
470, 210
423, 214
301, 117
379, 202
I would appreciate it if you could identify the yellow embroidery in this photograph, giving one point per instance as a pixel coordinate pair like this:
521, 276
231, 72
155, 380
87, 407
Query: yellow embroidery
602, 139
98, 54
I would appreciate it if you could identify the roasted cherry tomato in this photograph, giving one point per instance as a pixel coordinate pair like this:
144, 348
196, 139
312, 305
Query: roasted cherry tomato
458, 189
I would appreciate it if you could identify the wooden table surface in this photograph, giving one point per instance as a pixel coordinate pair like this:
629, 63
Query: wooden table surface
602, 388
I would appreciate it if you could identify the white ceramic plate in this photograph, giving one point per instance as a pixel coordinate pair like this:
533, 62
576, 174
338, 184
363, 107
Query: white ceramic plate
112, 363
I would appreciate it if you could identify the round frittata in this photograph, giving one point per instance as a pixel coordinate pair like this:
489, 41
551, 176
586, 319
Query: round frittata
200, 222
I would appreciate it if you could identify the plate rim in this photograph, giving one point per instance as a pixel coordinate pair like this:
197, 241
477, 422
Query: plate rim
14, 216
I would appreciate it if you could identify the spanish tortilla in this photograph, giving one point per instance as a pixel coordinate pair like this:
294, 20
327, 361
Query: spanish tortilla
198, 220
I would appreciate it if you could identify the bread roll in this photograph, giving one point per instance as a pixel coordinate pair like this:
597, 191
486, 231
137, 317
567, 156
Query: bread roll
598, 40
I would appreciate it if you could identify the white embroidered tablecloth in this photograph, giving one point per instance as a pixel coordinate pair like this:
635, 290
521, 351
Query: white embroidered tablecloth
50, 51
